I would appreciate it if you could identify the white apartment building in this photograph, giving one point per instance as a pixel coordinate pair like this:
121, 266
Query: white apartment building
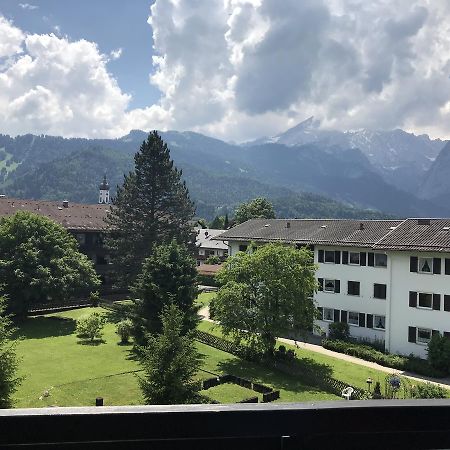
388, 279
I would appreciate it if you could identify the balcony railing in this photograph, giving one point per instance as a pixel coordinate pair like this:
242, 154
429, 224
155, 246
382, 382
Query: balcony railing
375, 424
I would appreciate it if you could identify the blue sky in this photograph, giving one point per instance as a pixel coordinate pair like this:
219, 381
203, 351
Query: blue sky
234, 69
112, 24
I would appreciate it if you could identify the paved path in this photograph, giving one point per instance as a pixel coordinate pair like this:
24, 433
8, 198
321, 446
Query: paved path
445, 382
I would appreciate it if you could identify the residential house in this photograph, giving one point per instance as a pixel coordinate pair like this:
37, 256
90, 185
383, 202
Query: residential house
207, 246
388, 279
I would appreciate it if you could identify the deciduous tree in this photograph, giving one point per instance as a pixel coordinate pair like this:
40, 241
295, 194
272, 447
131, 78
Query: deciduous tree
259, 208
40, 262
266, 293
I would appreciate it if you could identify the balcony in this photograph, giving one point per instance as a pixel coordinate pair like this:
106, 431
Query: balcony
375, 424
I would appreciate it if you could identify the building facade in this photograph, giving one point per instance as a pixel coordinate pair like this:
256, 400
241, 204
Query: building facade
206, 245
389, 280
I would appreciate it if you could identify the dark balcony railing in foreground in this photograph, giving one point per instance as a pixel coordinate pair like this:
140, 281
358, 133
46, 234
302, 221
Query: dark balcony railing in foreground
376, 424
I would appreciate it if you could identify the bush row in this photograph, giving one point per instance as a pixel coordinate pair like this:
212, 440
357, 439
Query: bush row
408, 363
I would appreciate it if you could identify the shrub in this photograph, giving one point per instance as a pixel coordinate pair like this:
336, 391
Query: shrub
94, 298
213, 259
212, 308
439, 353
207, 280
428, 390
124, 329
91, 326
409, 363
339, 331
377, 391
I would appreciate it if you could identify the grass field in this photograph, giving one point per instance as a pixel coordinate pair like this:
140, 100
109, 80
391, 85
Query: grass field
204, 298
230, 393
74, 374
342, 370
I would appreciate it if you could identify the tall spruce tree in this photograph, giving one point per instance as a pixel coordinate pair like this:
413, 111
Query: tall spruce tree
152, 207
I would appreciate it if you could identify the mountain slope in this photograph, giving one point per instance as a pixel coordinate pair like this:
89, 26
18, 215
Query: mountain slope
401, 158
436, 183
342, 173
76, 178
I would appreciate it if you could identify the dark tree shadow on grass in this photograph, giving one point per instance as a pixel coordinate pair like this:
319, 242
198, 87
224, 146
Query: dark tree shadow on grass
41, 327
268, 376
90, 342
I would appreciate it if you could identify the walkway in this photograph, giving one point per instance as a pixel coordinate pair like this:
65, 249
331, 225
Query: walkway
444, 382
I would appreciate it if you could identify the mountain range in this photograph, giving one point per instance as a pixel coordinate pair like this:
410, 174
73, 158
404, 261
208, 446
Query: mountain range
306, 171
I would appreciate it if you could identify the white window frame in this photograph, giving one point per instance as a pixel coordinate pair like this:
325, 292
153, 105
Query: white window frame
332, 315
423, 342
325, 257
419, 265
354, 295
375, 316
375, 260
350, 258
325, 285
418, 300
348, 319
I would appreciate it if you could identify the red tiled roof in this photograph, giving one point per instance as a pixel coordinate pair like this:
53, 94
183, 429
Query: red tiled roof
76, 216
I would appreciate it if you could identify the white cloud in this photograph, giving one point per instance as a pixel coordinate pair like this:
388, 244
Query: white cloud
58, 87
239, 69
28, 6
116, 54
11, 39
242, 68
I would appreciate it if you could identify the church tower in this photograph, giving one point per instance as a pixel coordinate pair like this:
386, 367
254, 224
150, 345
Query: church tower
104, 192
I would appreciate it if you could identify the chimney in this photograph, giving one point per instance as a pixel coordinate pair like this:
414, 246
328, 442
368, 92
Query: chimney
361, 226
66, 203
288, 224
423, 221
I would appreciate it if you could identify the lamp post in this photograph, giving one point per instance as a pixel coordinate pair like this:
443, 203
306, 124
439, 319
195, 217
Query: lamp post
369, 383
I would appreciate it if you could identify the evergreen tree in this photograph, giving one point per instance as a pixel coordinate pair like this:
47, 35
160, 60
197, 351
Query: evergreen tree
217, 223
168, 276
8, 360
170, 361
152, 207
226, 222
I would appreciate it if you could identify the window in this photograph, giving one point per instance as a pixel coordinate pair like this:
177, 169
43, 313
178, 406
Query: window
426, 265
379, 322
354, 258
423, 335
328, 314
353, 318
243, 248
379, 291
329, 256
425, 300
209, 252
328, 285
380, 260
353, 288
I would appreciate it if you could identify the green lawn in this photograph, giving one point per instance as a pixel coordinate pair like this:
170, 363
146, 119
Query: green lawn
342, 370
230, 393
75, 374
205, 298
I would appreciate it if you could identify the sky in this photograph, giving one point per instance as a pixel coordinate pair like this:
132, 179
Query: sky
233, 69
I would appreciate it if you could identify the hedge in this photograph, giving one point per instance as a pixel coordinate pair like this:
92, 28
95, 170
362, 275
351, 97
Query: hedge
407, 363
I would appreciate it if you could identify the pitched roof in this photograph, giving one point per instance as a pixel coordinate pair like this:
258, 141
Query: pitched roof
204, 239
74, 217
208, 269
418, 234
312, 231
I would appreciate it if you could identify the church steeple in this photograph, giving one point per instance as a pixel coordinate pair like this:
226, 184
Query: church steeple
104, 192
